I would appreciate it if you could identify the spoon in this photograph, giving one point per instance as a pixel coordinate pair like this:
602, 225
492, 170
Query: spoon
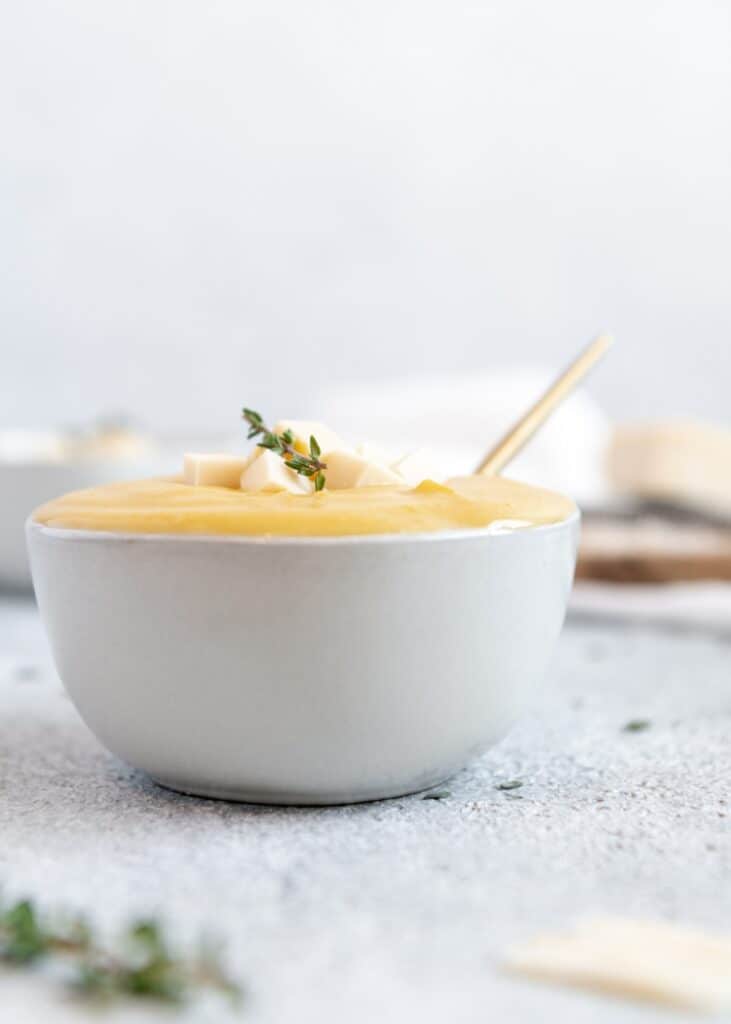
521, 432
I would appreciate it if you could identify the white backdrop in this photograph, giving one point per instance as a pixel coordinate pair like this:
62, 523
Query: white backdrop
211, 203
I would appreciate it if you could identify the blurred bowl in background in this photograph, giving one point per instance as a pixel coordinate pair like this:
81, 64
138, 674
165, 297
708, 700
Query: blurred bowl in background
36, 466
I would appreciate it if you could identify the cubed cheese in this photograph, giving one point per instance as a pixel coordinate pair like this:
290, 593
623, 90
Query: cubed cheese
213, 470
374, 453
414, 467
268, 473
346, 469
303, 430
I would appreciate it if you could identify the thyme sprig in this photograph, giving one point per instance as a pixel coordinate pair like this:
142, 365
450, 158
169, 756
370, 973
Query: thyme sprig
283, 445
143, 966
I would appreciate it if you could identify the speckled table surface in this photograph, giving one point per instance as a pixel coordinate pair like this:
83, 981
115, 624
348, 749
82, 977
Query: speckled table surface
399, 910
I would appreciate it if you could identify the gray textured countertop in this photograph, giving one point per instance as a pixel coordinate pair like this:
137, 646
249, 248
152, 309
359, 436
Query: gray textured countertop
399, 910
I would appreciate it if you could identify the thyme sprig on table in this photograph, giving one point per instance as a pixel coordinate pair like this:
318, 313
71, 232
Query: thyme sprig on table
283, 445
142, 966
636, 725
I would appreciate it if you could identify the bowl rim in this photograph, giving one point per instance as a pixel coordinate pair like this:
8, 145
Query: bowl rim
297, 540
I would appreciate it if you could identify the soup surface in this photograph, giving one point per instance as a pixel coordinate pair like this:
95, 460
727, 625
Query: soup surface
169, 506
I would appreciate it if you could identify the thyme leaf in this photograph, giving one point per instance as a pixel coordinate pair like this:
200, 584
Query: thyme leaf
308, 465
637, 725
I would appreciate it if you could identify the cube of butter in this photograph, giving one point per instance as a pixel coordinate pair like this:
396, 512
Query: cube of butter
346, 469
268, 473
213, 470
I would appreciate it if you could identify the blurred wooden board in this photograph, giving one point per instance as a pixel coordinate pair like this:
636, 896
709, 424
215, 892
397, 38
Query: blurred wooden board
653, 549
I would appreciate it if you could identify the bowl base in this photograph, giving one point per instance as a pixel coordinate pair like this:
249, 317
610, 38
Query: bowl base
294, 798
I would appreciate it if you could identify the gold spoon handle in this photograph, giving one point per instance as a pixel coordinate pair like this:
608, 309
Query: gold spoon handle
521, 432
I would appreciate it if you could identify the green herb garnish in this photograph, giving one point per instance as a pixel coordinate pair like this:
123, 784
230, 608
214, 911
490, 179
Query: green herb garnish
437, 794
142, 966
512, 784
283, 444
637, 725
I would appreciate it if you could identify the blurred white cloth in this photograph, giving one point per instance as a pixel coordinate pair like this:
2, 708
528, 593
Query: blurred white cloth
458, 418
705, 605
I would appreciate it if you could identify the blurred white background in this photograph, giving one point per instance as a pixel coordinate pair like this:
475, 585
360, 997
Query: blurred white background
205, 204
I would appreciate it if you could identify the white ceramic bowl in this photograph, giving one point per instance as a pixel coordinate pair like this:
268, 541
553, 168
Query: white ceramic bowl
302, 670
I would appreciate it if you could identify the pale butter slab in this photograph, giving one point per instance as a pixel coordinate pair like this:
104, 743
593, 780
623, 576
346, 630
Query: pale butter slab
653, 961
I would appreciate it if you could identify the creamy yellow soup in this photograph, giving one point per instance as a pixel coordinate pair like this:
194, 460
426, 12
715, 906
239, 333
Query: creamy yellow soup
170, 506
